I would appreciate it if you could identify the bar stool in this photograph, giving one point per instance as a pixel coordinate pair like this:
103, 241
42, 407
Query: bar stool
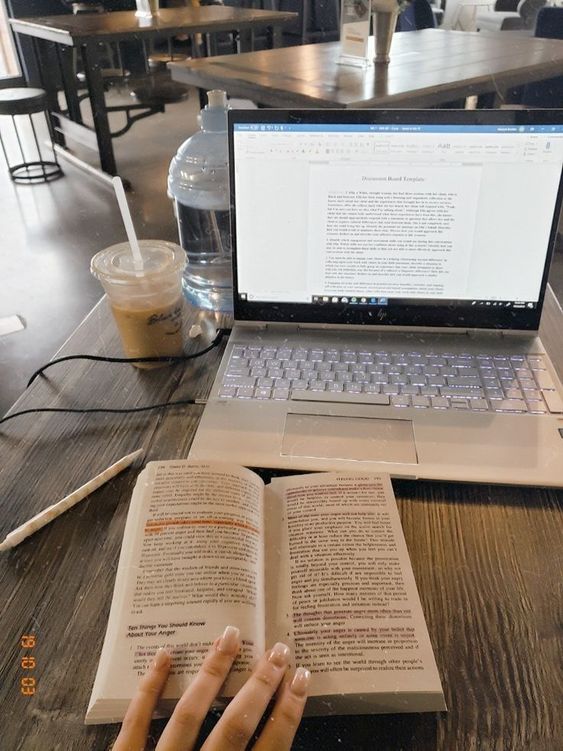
24, 101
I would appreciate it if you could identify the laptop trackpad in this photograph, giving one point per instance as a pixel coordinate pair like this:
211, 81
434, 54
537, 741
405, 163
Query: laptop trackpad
356, 438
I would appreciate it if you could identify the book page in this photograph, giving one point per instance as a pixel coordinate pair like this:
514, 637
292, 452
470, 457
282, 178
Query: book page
191, 564
340, 587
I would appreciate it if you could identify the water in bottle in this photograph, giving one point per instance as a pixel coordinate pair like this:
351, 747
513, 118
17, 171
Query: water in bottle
198, 182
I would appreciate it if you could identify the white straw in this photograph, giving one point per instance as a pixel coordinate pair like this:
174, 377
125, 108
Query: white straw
50, 513
128, 222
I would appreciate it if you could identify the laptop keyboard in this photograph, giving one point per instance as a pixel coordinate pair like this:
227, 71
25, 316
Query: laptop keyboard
483, 383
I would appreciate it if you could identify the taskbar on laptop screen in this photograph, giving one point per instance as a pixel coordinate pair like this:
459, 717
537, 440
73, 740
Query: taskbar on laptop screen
411, 218
372, 301
475, 314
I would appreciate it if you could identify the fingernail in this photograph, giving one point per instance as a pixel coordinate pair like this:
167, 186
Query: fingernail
161, 658
300, 682
230, 640
279, 654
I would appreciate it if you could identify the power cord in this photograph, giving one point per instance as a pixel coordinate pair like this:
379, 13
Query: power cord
101, 409
100, 358
180, 358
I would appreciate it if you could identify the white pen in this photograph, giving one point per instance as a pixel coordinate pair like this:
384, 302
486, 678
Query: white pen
50, 513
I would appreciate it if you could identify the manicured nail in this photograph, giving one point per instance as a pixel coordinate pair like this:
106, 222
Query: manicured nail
279, 654
300, 682
230, 640
161, 658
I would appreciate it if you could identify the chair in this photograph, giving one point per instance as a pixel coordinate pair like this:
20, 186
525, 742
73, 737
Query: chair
113, 71
417, 15
28, 169
549, 23
151, 85
549, 93
505, 18
319, 20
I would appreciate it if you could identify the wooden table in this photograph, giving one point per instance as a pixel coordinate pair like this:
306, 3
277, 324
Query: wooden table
487, 561
428, 68
85, 33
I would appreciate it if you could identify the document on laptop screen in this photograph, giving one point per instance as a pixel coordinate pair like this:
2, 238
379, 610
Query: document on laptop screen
390, 230
425, 213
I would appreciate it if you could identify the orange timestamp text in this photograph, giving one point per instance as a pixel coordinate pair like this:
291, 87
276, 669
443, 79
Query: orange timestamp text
28, 683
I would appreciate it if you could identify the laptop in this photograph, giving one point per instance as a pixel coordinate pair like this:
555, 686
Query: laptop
390, 269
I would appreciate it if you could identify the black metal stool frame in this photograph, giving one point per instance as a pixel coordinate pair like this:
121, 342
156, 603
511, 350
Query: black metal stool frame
36, 170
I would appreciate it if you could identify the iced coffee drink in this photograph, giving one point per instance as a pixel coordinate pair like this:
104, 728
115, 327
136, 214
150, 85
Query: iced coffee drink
146, 302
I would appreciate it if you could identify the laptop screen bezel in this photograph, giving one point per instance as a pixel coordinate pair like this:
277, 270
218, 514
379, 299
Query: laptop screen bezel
411, 315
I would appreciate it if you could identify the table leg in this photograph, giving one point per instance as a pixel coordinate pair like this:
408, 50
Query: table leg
273, 37
48, 80
304, 20
489, 101
210, 41
68, 74
95, 83
245, 40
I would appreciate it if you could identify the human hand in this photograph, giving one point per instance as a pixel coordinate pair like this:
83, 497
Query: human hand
241, 717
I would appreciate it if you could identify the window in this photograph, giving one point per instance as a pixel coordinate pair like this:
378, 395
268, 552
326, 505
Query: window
9, 67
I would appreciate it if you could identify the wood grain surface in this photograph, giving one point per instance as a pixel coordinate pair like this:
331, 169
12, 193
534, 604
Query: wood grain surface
487, 560
107, 27
427, 68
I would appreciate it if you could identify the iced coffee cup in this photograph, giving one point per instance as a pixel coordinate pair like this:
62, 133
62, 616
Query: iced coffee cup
146, 302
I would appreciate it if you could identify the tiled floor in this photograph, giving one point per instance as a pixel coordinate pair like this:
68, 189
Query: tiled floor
48, 234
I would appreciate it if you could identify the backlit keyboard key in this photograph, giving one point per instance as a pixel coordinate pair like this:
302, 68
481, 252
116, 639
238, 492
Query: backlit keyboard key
335, 386
459, 403
543, 379
536, 363
440, 402
464, 381
227, 391
420, 401
553, 401
265, 382
262, 393
245, 392
509, 405
401, 401
342, 396
460, 391
513, 394
479, 405
239, 380
527, 383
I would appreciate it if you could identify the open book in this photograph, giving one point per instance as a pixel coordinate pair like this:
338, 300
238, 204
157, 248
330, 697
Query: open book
317, 561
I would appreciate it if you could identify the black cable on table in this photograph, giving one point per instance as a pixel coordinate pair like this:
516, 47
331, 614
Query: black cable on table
119, 411
166, 359
102, 409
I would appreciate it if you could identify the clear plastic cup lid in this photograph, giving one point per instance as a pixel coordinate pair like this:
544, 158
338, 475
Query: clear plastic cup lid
116, 265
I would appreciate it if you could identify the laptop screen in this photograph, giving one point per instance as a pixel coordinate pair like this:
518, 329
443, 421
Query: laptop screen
442, 218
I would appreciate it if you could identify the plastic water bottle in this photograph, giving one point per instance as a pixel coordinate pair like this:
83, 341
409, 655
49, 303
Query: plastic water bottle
198, 182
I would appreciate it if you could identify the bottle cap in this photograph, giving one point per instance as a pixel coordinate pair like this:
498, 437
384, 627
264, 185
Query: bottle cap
214, 114
216, 98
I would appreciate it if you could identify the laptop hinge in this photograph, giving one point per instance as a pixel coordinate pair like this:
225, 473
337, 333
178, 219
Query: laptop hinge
472, 333
501, 333
262, 326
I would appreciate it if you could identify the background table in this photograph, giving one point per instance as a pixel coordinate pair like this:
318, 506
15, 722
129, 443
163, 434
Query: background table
85, 32
428, 68
487, 561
